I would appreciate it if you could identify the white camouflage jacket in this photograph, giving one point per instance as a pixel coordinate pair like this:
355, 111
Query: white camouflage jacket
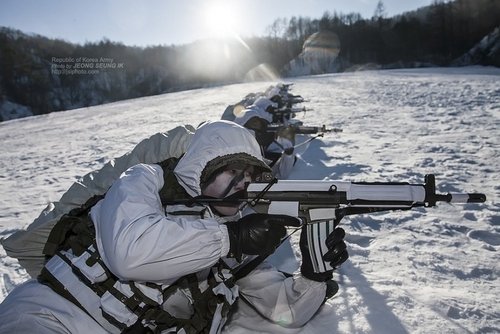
139, 241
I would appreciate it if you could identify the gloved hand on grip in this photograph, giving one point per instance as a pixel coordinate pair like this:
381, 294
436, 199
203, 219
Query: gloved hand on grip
336, 255
258, 233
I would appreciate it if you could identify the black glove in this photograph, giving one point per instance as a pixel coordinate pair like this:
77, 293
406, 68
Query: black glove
258, 233
336, 255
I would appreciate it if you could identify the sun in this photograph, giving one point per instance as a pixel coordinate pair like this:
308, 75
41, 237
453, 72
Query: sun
221, 19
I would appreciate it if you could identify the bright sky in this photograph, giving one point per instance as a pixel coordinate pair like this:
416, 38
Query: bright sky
154, 22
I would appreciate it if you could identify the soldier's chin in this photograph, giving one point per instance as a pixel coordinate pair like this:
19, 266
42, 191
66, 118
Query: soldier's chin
226, 210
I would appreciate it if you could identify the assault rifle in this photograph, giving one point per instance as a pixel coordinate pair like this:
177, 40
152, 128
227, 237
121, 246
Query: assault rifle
293, 129
349, 198
290, 110
290, 98
282, 114
321, 205
302, 129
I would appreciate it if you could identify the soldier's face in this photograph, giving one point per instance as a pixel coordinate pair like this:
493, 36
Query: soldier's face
224, 185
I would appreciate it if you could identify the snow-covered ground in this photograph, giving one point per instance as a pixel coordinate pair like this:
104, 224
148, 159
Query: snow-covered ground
430, 270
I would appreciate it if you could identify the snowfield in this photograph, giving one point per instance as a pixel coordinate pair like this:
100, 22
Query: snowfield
432, 270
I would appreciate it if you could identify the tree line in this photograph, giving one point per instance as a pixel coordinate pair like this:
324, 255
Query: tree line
435, 34
49, 74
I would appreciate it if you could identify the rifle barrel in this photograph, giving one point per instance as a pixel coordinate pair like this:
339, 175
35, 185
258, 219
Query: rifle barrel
461, 198
431, 197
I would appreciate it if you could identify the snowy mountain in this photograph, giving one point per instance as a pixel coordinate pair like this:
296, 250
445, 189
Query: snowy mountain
432, 270
487, 51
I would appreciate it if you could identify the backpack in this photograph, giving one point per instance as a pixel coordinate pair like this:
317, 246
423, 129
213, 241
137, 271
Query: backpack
28, 245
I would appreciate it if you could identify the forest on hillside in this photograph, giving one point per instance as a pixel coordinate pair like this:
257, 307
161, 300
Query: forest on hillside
46, 75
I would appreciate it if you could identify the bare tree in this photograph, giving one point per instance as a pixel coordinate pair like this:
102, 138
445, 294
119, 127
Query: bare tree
379, 12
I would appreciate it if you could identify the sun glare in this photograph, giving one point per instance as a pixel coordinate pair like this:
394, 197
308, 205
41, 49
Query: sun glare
220, 22
221, 19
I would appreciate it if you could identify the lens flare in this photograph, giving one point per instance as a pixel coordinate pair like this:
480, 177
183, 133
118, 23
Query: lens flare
262, 72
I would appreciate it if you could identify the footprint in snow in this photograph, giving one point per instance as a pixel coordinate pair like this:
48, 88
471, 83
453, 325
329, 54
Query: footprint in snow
488, 237
495, 220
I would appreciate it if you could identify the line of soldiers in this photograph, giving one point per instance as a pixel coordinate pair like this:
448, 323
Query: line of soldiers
134, 247
271, 116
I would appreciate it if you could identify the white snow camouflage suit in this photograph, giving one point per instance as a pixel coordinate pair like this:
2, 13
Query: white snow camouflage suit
143, 242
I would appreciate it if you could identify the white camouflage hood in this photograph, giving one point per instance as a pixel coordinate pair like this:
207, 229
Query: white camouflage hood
213, 140
252, 112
